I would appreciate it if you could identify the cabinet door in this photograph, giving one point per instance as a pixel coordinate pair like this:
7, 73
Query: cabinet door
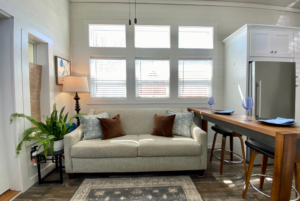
261, 43
283, 44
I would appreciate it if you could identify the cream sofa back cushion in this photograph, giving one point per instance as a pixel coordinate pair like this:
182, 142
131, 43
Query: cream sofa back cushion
136, 121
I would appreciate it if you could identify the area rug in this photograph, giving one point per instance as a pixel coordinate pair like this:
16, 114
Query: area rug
177, 188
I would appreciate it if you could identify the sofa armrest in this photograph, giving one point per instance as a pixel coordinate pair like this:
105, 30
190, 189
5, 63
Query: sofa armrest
201, 137
70, 140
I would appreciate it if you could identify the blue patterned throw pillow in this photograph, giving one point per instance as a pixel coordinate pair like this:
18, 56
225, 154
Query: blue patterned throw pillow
91, 126
183, 122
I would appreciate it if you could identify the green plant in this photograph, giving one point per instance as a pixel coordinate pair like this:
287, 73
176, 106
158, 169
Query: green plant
55, 128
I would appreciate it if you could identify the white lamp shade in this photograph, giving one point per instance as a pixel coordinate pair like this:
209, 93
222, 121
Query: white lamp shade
75, 84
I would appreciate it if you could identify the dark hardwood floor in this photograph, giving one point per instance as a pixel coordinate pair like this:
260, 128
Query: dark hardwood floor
212, 186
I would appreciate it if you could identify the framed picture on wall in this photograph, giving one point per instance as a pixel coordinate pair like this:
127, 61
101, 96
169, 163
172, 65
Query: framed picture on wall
62, 69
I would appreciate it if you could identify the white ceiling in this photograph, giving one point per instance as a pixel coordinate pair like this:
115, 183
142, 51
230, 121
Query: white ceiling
281, 3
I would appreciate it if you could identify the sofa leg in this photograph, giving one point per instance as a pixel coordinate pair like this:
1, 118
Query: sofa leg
200, 173
71, 175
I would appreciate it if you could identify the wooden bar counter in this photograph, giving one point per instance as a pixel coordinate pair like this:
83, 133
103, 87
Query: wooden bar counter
285, 139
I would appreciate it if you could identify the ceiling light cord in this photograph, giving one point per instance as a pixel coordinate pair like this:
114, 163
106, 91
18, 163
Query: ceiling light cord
135, 20
129, 14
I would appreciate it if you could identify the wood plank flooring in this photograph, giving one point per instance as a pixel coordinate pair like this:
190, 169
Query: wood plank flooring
212, 186
8, 195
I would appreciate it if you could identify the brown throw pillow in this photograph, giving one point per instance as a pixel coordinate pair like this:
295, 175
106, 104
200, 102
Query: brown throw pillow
111, 128
163, 125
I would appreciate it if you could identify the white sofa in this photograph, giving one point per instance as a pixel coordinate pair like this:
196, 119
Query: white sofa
138, 151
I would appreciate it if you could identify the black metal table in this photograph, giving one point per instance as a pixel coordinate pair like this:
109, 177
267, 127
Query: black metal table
57, 159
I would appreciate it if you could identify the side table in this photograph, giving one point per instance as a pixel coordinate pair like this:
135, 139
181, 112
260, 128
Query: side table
57, 159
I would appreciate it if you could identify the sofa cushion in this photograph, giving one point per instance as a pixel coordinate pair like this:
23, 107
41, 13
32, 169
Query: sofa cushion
163, 125
151, 146
111, 128
183, 122
91, 127
125, 146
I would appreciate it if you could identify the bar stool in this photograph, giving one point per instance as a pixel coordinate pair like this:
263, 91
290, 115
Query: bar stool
266, 151
227, 133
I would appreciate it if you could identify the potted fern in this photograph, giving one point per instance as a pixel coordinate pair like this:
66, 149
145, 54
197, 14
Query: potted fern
48, 134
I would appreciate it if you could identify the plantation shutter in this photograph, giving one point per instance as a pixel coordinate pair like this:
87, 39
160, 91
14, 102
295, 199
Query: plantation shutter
152, 78
108, 78
194, 78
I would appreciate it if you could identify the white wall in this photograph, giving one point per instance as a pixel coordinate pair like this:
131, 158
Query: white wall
226, 19
48, 20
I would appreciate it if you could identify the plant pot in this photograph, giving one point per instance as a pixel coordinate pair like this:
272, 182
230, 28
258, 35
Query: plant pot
59, 145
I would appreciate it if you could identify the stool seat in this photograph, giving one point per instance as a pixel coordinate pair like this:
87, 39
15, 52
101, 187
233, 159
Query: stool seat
261, 148
224, 131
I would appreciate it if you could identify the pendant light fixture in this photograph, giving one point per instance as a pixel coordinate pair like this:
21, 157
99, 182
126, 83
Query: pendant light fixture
129, 14
135, 20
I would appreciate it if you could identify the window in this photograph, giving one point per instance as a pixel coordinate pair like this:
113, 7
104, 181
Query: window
152, 78
107, 35
148, 36
194, 78
30, 53
108, 78
196, 37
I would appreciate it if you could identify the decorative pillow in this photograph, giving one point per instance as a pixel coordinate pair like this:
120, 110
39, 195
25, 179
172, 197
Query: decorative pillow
163, 125
111, 127
183, 122
91, 127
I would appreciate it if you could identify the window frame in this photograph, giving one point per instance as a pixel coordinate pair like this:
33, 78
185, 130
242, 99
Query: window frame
146, 59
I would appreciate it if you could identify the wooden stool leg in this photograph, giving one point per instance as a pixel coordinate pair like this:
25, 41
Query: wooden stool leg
248, 176
213, 146
243, 153
222, 154
231, 148
263, 169
297, 176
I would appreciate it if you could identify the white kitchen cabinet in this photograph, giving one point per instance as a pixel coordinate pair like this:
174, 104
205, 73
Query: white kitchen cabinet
261, 43
283, 44
269, 43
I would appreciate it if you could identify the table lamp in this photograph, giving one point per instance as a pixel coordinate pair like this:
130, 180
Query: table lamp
76, 84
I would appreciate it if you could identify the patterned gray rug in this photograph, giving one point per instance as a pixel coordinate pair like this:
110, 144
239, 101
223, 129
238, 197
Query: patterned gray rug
177, 188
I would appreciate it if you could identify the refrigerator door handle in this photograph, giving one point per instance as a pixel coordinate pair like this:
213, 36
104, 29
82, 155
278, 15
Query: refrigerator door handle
258, 105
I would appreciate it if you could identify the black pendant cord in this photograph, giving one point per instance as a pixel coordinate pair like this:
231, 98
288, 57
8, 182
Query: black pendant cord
129, 14
77, 107
135, 20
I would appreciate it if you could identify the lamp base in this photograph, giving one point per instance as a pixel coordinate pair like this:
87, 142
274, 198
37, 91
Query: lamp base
77, 107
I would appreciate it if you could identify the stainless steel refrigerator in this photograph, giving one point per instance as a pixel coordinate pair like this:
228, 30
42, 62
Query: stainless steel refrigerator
272, 87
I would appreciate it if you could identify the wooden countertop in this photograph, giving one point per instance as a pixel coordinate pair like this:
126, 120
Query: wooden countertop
255, 125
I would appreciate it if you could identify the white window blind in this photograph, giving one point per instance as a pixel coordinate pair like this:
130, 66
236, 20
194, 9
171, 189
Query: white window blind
107, 35
194, 78
196, 37
108, 78
150, 36
152, 78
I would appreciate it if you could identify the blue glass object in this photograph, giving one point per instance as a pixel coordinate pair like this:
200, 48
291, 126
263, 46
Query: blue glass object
247, 105
211, 101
